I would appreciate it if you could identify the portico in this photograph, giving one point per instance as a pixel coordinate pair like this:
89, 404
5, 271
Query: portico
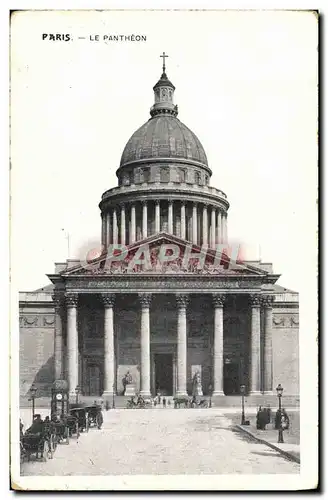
128, 330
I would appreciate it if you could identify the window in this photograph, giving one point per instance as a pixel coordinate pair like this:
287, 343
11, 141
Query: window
182, 175
206, 180
146, 174
198, 178
165, 174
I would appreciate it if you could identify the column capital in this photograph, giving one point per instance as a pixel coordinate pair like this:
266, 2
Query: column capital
195, 204
182, 301
170, 201
267, 300
255, 300
71, 299
205, 205
218, 299
157, 202
58, 299
122, 205
144, 203
145, 300
108, 299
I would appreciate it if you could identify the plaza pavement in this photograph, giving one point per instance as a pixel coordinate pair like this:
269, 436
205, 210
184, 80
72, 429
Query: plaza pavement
161, 441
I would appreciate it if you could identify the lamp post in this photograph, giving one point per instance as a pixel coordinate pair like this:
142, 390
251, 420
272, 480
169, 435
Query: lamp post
77, 390
210, 390
242, 390
33, 390
113, 396
279, 390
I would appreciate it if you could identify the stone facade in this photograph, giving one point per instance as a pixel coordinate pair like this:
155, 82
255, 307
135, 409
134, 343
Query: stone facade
178, 304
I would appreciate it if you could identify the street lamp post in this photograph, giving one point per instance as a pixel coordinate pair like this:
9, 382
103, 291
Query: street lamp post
113, 396
279, 390
242, 390
33, 390
77, 390
210, 390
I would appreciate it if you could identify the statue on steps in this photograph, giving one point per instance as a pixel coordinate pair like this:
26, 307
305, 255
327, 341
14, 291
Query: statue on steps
197, 384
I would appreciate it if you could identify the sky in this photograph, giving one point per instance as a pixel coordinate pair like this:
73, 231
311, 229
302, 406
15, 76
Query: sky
246, 84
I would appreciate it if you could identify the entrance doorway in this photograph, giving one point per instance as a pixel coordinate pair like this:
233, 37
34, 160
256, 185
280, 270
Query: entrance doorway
93, 379
164, 374
231, 381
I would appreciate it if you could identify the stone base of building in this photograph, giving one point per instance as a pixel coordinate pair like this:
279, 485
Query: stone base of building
108, 394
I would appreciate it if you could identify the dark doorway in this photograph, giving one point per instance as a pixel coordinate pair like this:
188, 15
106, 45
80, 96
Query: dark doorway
231, 379
164, 374
93, 380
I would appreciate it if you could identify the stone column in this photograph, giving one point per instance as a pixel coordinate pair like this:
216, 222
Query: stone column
213, 227
144, 220
157, 217
218, 302
267, 348
133, 224
115, 228
182, 302
58, 340
109, 357
103, 229
225, 228
194, 223
122, 224
145, 300
108, 238
72, 342
255, 344
222, 228
183, 221
205, 225
218, 228
170, 217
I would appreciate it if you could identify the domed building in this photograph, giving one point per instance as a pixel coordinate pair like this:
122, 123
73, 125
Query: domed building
167, 306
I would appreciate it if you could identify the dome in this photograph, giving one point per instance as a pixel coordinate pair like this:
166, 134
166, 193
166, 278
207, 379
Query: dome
163, 136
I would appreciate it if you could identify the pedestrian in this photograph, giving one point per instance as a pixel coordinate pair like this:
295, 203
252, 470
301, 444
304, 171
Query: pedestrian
164, 402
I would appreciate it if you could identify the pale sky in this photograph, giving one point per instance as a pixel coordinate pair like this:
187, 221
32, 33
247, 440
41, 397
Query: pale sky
246, 84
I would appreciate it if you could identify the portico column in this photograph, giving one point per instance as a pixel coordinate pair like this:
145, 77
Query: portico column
194, 223
182, 301
122, 224
255, 344
72, 342
267, 348
225, 228
144, 220
213, 228
58, 341
157, 217
145, 300
170, 217
205, 226
115, 228
133, 224
218, 302
109, 359
183, 221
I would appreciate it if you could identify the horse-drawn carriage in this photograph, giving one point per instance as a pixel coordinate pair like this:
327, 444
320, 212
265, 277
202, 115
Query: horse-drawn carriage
38, 440
187, 402
80, 413
94, 416
139, 402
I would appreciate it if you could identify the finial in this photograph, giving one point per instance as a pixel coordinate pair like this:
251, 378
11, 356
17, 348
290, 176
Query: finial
164, 56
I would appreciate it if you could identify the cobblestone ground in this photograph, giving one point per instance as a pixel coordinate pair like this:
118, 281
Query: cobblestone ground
162, 441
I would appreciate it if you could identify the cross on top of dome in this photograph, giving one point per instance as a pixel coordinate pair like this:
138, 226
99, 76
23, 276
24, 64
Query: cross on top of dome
164, 56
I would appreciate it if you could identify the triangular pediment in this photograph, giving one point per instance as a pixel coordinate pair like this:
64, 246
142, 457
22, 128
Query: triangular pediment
165, 253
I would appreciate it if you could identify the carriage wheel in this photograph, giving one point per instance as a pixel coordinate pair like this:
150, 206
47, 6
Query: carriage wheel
45, 451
